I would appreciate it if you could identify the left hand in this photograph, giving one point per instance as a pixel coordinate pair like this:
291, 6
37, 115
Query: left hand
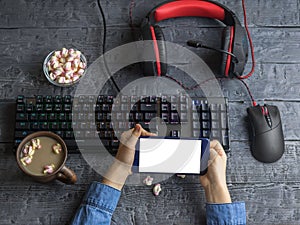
121, 168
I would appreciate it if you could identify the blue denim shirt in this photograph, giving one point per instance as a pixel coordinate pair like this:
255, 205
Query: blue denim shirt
101, 200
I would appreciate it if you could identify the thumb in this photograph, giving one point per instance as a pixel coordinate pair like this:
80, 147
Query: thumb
213, 156
137, 130
133, 138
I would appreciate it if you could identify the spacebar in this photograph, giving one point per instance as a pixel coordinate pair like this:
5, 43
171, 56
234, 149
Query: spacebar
89, 144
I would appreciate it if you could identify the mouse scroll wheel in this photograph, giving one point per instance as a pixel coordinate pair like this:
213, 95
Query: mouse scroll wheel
267, 116
265, 111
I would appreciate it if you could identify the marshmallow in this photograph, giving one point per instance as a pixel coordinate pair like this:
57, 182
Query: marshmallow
156, 189
56, 148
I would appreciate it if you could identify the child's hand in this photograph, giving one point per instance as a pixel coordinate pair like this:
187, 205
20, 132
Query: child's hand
214, 181
121, 168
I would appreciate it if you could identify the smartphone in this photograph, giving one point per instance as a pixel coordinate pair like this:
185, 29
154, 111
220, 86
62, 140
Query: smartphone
171, 155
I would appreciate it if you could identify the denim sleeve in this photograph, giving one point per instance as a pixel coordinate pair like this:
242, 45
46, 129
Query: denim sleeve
97, 206
226, 214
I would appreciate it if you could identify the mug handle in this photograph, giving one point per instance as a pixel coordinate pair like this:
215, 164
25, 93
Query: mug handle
67, 176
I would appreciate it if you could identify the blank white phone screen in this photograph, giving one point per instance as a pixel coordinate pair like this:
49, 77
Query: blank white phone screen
169, 155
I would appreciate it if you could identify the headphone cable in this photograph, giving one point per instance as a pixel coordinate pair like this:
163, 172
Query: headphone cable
250, 42
104, 44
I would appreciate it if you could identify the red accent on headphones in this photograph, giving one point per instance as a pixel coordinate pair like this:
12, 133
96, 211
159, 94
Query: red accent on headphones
189, 8
156, 51
229, 50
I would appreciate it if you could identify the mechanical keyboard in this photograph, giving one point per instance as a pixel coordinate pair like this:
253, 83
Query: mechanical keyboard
87, 118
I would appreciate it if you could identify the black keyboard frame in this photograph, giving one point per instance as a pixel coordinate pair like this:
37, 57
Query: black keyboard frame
69, 117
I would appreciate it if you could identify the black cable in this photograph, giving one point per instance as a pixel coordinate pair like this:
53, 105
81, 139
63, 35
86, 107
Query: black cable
104, 44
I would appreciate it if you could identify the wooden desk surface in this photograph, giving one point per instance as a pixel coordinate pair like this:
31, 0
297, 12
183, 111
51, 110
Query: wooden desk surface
31, 29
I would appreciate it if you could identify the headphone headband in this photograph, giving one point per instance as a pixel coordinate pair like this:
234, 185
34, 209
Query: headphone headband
192, 8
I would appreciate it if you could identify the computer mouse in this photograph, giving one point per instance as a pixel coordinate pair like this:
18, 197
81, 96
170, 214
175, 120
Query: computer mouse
267, 141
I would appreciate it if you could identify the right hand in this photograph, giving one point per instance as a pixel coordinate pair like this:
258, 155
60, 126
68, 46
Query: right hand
214, 181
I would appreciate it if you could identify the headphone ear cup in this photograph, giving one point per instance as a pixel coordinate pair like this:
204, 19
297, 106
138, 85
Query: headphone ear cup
225, 46
240, 50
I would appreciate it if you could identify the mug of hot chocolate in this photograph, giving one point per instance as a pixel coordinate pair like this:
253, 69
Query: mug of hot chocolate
42, 155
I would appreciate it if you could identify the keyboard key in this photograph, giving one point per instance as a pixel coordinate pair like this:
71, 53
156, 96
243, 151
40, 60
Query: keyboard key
62, 116
22, 125
21, 116
39, 107
153, 99
215, 134
174, 99
205, 125
52, 116
34, 126
22, 134
139, 117
44, 125
196, 133
165, 107
165, 117
69, 134
57, 108
205, 133
48, 99
105, 108
42, 116
175, 133
175, 118
57, 99
67, 108
215, 124
48, 107
54, 126
67, 99
174, 107
20, 99
65, 125
33, 116
224, 120
60, 133
110, 99
124, 107
225, 138
214, 116
149, 116
183, 117
20, 107
124, 99
205, 116
29, 108
196, 125
148, 107
39, 99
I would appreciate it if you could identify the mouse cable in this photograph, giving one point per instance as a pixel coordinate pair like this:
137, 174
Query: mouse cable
250, 42
254, 103
104, 44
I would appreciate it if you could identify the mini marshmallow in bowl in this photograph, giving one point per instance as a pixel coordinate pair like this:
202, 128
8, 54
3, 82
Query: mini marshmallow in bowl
64, 67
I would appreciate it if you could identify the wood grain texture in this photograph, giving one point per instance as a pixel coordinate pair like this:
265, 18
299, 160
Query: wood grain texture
30, 29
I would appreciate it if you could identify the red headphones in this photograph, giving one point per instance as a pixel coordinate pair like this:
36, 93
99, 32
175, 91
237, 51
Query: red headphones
234, 38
